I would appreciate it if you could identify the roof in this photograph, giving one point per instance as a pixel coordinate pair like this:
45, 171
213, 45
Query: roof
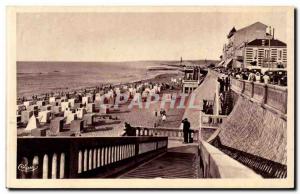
259, 42
254, 24
233, 30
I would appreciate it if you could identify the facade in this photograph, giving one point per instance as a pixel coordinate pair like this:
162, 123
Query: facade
270, 53
191, 79
250, 45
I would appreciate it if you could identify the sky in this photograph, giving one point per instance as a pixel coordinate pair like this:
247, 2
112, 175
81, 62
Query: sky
116, 36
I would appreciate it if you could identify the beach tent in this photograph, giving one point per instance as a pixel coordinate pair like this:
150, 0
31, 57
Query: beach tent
220, 64
32, 124
228, 63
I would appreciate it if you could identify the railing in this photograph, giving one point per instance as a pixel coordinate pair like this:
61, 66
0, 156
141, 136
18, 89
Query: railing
271, 96
274, 97
216, 164
237, 85
212, 120
190, 81
77, 157
262, 166
171, 133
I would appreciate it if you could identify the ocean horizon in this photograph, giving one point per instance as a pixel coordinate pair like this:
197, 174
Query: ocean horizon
37, 77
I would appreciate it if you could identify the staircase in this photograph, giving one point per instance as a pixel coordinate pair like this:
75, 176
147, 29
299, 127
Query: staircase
227, 103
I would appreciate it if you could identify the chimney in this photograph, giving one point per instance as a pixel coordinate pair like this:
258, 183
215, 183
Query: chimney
273, 33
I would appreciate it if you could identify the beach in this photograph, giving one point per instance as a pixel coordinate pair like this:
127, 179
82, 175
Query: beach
34, 78
137, 116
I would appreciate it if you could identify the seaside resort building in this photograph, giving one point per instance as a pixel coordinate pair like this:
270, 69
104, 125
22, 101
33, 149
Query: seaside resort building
191, 79
253, 46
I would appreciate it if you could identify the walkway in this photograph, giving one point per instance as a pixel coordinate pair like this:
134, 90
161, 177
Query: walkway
181, 161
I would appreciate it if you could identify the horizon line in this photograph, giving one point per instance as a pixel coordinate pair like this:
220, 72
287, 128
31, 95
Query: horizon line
144, 60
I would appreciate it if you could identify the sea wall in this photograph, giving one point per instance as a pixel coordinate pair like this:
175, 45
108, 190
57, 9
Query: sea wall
256, 130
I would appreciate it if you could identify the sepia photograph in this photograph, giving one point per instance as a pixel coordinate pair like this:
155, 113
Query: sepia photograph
150, 97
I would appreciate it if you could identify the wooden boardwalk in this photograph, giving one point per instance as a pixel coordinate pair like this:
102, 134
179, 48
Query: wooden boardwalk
178, 162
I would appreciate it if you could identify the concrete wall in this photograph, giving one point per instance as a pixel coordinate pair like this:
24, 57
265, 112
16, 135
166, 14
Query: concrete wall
216, 164
255, 130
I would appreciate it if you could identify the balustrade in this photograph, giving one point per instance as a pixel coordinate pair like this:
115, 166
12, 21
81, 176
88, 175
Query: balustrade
75, 157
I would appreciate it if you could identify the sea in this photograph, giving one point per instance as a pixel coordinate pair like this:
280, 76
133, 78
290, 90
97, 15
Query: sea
34, 78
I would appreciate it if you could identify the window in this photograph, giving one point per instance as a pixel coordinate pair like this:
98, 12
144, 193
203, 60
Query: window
279, 54
267, 54
255, 54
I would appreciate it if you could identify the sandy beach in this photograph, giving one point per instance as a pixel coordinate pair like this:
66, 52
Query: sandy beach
137, 116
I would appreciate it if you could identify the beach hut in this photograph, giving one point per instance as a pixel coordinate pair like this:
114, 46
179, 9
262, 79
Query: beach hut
28, 103
98, 97
44, 116
46, 107
77, 126
56, 109
71, 117
65, 105
67, 112
86, 99
89, 119
90, 107
40, 103
33, 108
25, 116
103, 109
57, 125
80, 112
72, 102
52, 100
41, 131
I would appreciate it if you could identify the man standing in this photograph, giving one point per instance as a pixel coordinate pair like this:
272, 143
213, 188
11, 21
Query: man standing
129, 131
222, 84
186, 129
266, 79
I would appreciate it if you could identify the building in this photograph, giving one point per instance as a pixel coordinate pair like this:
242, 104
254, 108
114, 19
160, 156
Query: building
191, 79
250, 46
270, 53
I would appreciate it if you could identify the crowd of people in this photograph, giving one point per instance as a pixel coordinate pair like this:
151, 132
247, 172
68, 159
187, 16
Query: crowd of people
255, 75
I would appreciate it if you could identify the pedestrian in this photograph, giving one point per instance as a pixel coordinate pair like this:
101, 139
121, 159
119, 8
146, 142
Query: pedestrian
186, 130
227, 83
155, 113
164, 118
257, 76
251, 77
129, 131
221, 81
266, 79
204, 105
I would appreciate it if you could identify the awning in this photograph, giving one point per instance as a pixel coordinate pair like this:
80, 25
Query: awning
238, 64
220, 64
228, 63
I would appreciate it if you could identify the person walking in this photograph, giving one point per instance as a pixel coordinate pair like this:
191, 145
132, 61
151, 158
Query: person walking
186, 130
